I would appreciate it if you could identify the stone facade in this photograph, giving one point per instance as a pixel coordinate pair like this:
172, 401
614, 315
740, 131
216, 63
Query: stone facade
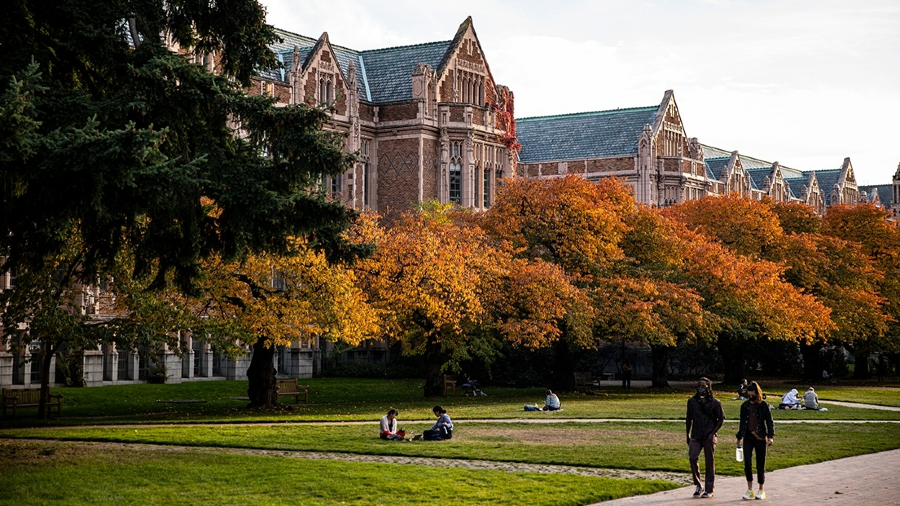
426, 119
648, 148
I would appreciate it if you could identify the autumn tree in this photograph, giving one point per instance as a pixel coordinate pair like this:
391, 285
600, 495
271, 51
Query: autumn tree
111, 141
879, 239
570, 222
646, 299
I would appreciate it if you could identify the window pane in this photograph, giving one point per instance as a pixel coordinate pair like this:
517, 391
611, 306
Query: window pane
456, 183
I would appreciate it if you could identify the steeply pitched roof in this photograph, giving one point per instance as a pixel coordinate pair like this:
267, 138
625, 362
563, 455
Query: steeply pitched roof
796, 185
582, 135
827, 179
884, 192
389, 71
382, 75
758, 176
717, 165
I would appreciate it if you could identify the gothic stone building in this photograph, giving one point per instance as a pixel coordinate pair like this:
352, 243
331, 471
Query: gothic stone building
428, 120
648, 148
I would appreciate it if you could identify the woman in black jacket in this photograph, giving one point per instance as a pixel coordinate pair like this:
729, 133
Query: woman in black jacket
757, 432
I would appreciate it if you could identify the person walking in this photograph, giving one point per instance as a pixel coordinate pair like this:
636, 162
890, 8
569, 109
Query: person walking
757, 431
702, 423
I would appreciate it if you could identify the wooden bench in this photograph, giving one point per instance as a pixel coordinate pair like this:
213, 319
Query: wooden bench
584, 379
449, 382
290, 388
29, 398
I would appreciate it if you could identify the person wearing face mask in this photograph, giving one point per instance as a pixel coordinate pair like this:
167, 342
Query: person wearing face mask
703, 420
757, 432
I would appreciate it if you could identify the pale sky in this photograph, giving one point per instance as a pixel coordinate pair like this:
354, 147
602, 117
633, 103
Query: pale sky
802, 82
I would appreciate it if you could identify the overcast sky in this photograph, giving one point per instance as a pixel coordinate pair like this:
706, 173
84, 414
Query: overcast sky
802, 82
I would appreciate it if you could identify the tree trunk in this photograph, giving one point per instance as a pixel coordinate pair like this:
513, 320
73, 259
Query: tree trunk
732, 359
563, 375
812, 361
261, 375
434, 377
861, 369
46, 358
659, 355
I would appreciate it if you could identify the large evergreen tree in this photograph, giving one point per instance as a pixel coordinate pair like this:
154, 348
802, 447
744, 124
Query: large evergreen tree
112, 143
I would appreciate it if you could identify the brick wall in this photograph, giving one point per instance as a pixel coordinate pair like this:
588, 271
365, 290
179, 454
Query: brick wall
607, 165
283, 93
431, 152
366, 112
398, 112
478, 116
398, 174
447, 87
340, 93
310, 91
458, 113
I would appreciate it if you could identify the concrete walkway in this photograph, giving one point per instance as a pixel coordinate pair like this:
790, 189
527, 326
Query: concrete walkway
867, 479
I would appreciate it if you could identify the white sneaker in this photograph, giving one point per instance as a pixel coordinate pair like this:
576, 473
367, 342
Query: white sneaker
748, 495
761, 494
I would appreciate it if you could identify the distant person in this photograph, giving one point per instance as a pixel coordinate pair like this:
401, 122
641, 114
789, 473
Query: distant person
811, 400
389, 427
442, 428
551, 403
790, 400
472, 387
757, 432
626, 374
742, 389
702, 423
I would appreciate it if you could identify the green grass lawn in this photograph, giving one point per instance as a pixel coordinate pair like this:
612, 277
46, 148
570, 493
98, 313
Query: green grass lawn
648, 446
69, 472
360, 399
43, 474
884, 396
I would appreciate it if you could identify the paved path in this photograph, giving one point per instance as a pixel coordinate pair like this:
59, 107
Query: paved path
867, 479
859, 405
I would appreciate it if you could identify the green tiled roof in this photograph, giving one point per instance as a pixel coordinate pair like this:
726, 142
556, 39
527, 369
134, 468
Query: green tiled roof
582, 135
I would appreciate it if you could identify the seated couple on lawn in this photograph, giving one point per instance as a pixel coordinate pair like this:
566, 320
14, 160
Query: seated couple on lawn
442, 428
551, 403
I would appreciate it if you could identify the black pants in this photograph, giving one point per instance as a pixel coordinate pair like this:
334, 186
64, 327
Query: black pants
708, 447
751, 444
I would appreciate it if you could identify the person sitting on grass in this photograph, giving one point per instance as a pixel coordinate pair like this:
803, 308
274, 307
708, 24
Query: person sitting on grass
442, 428
742, 390
552, 402
389, 427
472, 387
790, 400
811, 400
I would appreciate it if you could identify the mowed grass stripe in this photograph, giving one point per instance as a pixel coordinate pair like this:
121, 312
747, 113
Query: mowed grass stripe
75, 475
650, 446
